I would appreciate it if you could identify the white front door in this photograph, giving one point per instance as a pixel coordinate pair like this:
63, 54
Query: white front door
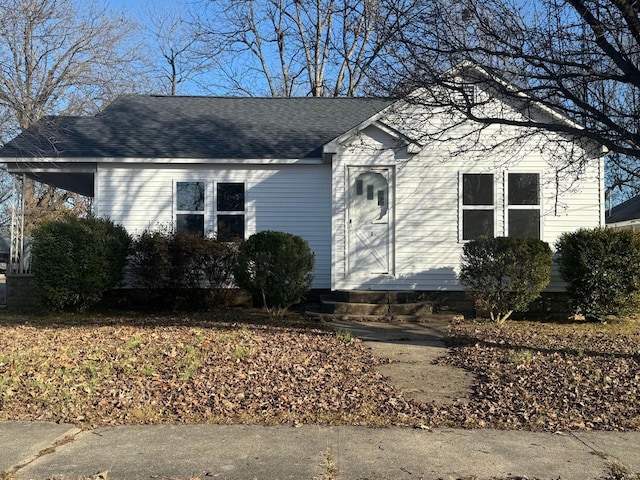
369, 221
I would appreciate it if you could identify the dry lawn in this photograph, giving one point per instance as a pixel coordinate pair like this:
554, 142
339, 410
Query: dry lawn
239, 367
231, 367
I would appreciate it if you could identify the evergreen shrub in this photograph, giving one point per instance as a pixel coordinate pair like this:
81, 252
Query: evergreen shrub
275, 267
505, 274
601, 267
150, 260
76, 260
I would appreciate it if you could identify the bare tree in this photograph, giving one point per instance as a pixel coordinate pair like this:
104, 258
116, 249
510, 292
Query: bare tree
312, 47
573, 59
183, 55
55, 59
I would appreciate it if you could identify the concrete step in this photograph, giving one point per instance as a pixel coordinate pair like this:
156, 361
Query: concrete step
317, 314
417, 308
338, 308
344, 308
373, 296
374, 306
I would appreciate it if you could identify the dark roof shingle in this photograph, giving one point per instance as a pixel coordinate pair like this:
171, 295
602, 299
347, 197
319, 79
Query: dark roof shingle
629, 210
147, 126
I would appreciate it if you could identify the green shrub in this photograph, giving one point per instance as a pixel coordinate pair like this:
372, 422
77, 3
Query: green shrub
75, 260
216, 264
505, 274
601, 267
168, 263
150, 261
275, 267
185, 253
198, 262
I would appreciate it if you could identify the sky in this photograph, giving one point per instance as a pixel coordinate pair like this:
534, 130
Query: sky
140, 11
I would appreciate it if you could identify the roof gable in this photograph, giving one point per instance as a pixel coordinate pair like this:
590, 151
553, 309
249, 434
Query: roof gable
626, 211
145, 126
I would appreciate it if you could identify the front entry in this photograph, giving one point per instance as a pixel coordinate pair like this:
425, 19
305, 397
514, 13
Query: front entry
369, 221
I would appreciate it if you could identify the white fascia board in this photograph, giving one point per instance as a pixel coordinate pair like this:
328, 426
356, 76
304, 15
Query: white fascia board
626, 223
332, 146
466, 65
171, 161
48, 165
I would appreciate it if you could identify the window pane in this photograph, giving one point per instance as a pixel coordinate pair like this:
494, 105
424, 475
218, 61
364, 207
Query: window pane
523, 189
477, 223
230, 227
191, 223
524, 223
477, 189
190, 196
230, 197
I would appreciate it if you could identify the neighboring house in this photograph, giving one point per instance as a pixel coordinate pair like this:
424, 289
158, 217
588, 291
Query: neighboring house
382, 207
625, 216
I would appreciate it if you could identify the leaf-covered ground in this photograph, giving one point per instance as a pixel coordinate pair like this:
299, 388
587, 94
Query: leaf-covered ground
237, 367
108, 370
546, 376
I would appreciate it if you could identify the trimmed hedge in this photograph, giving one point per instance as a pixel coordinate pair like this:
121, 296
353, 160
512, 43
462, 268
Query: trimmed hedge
150, 260
76, 260
505, 274
183, 264
601, 267
275, 267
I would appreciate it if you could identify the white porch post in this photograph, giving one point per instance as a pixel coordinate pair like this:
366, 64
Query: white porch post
16, 257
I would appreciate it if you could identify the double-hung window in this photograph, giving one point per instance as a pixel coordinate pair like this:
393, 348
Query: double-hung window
196, 211
523, 205
190, 207
478, 205
230, 211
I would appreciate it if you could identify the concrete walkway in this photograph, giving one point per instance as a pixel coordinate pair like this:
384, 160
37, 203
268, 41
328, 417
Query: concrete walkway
32, 450
413, 348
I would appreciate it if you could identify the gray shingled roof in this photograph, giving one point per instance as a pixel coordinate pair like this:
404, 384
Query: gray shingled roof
629, 210
145, 126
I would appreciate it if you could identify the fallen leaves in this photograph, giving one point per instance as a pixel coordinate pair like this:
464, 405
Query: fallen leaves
238, 367
112, 371
551, 377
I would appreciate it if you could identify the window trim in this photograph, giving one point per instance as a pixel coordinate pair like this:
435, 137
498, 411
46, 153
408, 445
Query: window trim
204, 212
210, 212
217, 212
462, 207
507, 207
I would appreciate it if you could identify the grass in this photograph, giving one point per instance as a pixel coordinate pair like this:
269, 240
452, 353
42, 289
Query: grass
345, 335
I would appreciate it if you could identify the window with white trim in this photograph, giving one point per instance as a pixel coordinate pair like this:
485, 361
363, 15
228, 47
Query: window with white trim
230, 211
523, 205
197, 212
478, 205
190, 207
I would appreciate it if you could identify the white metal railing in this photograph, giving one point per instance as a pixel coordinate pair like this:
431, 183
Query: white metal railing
19, 258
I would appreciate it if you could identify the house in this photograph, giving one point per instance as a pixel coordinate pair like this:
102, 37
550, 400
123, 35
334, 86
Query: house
625, 216
383, 205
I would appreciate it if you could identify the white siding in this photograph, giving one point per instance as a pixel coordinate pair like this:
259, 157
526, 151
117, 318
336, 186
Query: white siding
427, 210
290, 198
310, 201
